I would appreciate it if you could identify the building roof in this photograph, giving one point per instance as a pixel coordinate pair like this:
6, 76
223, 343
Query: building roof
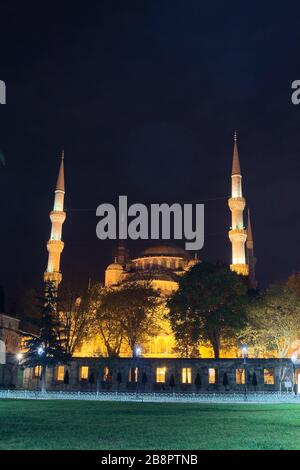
114, 266
166, 250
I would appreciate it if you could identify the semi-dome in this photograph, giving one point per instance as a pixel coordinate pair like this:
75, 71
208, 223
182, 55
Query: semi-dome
166, 250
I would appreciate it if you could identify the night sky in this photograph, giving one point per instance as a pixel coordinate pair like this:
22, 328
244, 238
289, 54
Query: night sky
144, 97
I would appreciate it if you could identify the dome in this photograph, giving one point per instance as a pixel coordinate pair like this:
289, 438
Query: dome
115, 267
166, 250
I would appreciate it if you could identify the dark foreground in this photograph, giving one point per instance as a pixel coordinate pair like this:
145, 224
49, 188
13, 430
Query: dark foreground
26, 424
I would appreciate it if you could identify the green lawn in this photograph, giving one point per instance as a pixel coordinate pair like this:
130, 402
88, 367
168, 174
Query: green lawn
28, 424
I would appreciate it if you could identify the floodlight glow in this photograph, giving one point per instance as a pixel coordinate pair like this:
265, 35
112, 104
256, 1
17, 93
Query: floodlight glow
19, 356
40, 351
294, 357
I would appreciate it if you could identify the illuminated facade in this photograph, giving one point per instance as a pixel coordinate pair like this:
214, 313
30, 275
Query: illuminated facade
163, 264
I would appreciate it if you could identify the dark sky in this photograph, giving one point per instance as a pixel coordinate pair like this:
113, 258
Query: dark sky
144, 97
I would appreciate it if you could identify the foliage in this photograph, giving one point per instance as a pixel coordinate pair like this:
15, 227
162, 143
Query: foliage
46, 348
128, 312
210, 305
76, 318
105, 304
274, 320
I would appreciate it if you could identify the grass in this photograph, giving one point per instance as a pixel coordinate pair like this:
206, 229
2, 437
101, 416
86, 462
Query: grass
26, 424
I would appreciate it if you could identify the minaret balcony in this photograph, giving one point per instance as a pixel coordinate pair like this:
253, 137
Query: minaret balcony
236, 203
54, 277
237, 235
55, 246
57, 216
242, 269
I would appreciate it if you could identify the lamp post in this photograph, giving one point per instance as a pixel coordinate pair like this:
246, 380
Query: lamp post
41, 352
245, 355
138, 351
294, 360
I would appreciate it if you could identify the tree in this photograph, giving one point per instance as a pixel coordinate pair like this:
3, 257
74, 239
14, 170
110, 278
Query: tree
198, 382
133, 307
274, 320
225, 380
76, 317
106, 304
209, 305
45, 349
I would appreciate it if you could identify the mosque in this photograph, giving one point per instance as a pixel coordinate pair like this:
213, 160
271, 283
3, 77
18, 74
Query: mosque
165, 263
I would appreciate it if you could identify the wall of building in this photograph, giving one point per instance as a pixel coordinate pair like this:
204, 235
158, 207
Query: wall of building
103, 374
9, 327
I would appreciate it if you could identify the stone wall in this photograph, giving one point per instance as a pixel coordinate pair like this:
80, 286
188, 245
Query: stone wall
186, 375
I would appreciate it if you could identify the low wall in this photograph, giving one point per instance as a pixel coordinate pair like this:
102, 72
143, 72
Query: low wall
165, 375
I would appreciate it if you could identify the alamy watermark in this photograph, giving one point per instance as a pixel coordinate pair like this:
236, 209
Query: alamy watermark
162, 221
2, 92
296, 93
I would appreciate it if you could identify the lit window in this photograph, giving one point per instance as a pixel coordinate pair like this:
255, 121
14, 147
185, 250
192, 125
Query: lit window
269, 377
133, 374
37, 371
211, 376
240, 376
84, 372
186, 375
160, 374
60, 373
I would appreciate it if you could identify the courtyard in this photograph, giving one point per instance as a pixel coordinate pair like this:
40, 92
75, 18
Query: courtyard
68, 424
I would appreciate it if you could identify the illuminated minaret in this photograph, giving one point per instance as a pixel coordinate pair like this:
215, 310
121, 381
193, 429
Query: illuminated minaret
55, 246
252, 283
237, 234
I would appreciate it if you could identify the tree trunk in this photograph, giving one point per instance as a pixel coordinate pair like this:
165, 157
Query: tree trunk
216, 348
215, 342
43, 379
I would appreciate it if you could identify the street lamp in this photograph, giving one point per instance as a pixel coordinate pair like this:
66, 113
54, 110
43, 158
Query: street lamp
40, 351
294, 357
138, 351
245, 355
19, 357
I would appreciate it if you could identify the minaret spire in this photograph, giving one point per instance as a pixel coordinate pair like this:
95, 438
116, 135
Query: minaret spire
236, 168
237, 234
252, 283
55, 245
60, 184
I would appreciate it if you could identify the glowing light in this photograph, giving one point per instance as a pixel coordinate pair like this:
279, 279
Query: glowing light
40, 351
19, 356
138, 351
245, 350
294, 357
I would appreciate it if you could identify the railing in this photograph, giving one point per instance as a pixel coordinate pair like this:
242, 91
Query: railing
236, 397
